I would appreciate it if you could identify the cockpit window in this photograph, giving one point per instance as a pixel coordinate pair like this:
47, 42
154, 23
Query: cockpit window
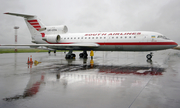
163, 37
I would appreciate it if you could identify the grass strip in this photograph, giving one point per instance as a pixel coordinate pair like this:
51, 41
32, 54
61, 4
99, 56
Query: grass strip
23, 50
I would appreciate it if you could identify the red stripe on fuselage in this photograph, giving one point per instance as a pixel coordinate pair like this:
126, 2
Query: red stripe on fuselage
127, 43
139, 43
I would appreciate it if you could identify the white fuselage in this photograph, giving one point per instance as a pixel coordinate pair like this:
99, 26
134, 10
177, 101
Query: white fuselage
113, 41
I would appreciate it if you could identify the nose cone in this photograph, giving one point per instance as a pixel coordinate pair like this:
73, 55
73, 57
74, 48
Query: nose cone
174, 43
171, 44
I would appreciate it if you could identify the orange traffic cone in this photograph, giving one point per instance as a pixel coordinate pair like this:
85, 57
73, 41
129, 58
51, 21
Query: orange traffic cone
31, 59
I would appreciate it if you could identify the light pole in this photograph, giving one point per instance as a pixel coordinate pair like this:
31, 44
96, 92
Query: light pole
16, 28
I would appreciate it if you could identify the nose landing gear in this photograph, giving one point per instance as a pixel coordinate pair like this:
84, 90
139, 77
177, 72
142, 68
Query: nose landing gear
149, 56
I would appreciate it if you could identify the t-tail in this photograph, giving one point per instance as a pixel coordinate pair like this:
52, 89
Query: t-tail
34, 24
39, 31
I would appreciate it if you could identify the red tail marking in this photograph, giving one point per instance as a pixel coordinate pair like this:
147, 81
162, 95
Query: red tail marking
37, 26
43, 34
32, 21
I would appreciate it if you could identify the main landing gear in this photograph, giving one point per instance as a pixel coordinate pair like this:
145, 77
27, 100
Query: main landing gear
49, 52
70, 55
83, 55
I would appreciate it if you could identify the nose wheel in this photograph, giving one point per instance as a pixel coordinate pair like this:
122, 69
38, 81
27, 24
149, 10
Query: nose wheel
149, 56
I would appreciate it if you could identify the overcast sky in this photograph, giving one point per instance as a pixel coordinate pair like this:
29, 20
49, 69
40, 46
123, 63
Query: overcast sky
162, 16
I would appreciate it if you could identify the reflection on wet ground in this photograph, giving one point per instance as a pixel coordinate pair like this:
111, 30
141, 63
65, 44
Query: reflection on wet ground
31, 89
121, 80
103, 75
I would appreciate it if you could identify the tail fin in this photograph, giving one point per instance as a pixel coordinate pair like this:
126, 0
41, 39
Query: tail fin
33, 23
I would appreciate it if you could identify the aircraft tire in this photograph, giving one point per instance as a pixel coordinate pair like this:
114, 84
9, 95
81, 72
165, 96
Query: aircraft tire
71, 56
149, 56
74, 55
85, 55
68, 56
81, 55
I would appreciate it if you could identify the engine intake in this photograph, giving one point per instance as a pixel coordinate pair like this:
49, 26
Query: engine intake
52, 38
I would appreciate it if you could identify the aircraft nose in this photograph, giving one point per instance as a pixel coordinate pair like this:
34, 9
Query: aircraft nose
175, 44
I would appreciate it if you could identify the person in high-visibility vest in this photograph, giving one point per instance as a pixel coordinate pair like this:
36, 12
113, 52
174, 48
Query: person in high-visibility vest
91, 54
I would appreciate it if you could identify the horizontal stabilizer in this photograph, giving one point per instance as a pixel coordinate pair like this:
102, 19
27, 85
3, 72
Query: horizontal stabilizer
21, 15
34, 24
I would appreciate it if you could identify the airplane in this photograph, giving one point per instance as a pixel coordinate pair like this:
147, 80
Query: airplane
56, 38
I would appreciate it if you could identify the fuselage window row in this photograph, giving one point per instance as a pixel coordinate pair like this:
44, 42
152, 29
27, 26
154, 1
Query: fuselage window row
97, 37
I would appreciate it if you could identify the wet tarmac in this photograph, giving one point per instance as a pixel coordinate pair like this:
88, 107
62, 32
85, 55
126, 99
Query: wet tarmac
110, 80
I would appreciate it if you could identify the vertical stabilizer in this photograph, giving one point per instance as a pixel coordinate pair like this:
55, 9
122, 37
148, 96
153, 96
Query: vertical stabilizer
34, 24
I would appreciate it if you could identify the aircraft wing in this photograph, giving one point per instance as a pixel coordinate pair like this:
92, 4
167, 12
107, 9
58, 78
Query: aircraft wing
89, 45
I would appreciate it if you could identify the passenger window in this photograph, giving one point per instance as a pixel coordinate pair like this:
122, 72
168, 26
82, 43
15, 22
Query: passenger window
100, 37
89, 37
85, 37
104, 37
78, 37
74, 38
92, 37
121, 36
81, 37
71, 38
67, 38
64, 38
129, 36
112, 37
125, 37
134, 36
96, 37
117, 37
